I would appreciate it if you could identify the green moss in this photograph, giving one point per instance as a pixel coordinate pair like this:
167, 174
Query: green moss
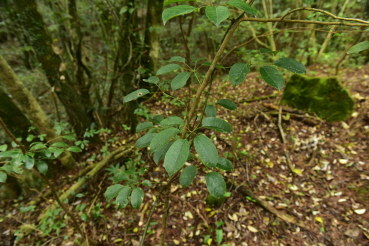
325, 97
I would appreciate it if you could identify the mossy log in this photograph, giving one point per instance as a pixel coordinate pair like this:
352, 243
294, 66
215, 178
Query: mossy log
325, 97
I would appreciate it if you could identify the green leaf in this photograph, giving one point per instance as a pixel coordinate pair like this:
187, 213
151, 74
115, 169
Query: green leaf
272, 76
3, 147
42, 167
145, 140
74, 149
69, 137
166, 2
187, 176
217, 124
228, 104
215, 184
112, 191
38, 146
136, 94
307, 2
219, 235
358, 47
172, 121
176, 156
147, 183
144, 126
59, 145
9, 153
243, 6
137, 197
29, 161
3, 177
180, 80
152, 80
157, 119
160, 154
162, 138
265, 50
167, 68
238, 73
291, 65
224, 164
206, 150
7, 168
217, 14
172, 12
177, 59
122, 197
210, 111
57, 152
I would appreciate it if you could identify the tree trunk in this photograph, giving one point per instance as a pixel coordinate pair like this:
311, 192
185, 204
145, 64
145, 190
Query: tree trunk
41, 41
31, 108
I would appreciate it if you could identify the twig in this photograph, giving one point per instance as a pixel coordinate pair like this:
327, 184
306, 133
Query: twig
10, 134
164, 219
284, 139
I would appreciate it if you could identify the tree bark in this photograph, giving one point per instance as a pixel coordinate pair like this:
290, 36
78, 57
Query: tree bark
41, 41
31, 108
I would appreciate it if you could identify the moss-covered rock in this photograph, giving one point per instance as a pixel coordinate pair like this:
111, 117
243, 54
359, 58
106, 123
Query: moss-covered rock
325, 97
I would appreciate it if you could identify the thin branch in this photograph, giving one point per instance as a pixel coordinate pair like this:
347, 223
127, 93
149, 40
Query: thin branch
364, 23
327, 13
10, 134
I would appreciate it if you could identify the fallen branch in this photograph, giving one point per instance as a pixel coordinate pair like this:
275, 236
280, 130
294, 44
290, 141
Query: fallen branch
286, 217
74, 188
44, 194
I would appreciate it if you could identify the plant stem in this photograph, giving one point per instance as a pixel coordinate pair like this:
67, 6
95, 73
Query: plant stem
208, 74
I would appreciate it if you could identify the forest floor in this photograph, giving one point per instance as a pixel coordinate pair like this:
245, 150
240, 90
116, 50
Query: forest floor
328, 193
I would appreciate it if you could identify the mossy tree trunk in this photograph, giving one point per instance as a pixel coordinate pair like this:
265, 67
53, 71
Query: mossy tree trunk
41, 41
31, 108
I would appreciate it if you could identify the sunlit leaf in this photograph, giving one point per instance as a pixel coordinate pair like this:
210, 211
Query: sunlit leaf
228, 104
176, 156
42, 167
145, 140
215, 184
162, 138
160, 154
224, 164
74, 149
206, 150
172, 12
238, 73
291, 65
217, 124
136, 94
217, 14
358, 47
272, 77
172, 121
59, 145
122, 197
29, 162
113, 191
180, 80
152, 80
144, 126
243, 6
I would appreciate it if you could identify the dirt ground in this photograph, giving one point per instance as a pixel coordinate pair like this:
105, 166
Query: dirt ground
328, 192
